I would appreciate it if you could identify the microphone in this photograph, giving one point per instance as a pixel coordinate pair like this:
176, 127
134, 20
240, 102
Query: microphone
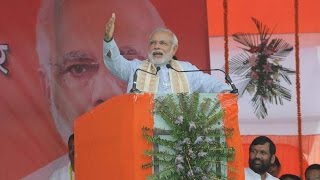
135, 77
227, 78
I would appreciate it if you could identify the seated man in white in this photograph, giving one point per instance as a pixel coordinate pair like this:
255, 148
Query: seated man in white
261, 156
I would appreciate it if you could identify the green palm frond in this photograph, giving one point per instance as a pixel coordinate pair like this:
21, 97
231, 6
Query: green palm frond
285, 72
282, 92
259, 106
200, 147
239, 64
248, 40
280, 47
263, 30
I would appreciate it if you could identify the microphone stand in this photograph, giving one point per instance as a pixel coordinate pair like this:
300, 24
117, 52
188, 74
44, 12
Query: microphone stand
134, 88
227, 78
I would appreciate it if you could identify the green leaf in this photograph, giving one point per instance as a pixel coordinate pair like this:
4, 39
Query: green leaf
207, 115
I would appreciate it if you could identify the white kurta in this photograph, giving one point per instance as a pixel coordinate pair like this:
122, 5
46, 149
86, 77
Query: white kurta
124, 69
251, 175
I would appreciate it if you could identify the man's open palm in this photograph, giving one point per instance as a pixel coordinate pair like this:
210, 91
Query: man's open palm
110, 28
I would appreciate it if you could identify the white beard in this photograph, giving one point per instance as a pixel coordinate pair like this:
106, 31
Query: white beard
61, 125
163, 60
66, 128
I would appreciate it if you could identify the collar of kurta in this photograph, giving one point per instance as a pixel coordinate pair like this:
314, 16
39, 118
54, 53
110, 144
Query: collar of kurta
149, 83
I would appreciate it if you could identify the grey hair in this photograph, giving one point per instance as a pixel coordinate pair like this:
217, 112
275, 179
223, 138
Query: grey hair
161, 29
45, 34
45, 47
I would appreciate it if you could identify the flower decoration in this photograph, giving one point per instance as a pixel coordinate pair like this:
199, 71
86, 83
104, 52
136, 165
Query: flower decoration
259, 65
196, 144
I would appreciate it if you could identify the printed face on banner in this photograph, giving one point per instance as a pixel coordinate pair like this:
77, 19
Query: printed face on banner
77, 79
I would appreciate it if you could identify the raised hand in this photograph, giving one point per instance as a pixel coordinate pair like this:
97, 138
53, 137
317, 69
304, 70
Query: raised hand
108, 35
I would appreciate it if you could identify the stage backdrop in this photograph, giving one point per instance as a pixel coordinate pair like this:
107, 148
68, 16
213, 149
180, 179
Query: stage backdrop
293, 126
51, 68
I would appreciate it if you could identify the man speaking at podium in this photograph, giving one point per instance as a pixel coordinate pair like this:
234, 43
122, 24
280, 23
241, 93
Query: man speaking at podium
159, 73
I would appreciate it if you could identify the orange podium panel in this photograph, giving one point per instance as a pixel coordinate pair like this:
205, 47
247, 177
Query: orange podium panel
109, 142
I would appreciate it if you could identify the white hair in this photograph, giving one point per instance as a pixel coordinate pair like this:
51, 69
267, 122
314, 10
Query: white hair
45, 47
161, 29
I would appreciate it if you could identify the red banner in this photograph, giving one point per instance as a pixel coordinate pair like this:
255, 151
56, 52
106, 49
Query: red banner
51, 68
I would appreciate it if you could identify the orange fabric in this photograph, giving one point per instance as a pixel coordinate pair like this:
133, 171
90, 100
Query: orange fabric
109, 142
230, 120
274, 13
108, 138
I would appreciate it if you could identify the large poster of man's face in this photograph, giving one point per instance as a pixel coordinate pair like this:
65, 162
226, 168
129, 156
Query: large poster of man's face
59, 70
69, 40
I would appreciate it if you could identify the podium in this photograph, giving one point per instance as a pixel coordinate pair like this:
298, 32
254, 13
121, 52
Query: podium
109, 143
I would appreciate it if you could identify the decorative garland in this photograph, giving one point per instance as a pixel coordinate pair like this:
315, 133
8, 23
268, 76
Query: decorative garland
196, 144
297, 57
226, 35
259, 66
